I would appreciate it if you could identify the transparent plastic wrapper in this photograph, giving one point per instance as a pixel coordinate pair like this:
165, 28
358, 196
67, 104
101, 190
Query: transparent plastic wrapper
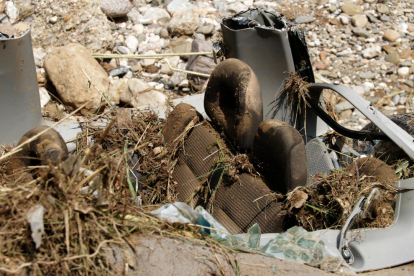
295, 244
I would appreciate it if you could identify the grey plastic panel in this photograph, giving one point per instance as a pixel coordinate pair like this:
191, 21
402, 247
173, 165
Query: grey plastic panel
392, 130
267, 52
19, 92
317, 158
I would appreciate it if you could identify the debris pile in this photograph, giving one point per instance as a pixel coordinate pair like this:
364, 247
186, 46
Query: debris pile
328, 203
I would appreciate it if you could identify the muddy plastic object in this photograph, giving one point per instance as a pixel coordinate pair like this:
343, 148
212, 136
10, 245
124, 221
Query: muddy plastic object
48, 147
280, 153
19, 92
233, 101
183, 116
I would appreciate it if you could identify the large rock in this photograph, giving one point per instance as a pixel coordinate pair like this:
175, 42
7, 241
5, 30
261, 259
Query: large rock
115, 8
351, 8
66, 67
200, 64
139, 93
184, 22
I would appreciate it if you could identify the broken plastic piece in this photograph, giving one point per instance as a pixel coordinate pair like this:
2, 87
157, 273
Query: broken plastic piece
35, 218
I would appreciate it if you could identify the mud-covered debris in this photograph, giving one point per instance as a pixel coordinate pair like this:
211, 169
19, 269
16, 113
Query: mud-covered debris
332, 199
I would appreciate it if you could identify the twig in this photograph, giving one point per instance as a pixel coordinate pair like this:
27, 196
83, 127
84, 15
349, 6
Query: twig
87, 179
19, 147
186, 71
66, 217
153, 56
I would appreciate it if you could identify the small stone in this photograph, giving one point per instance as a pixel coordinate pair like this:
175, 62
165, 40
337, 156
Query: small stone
367, 75
164, 33
53, 19
177, 5
372, 18
67, 18
152, 15
359, 89
410, 83
176, 79
332, 8
11, 11
345, 115
115, 8
132, 43
320, 66
304, 19
406, 63
184, 22
152, 69
393, 58
40, 77
342, 106
358, 31
385, 18
351, 9
382, 8
391, 35
344, 19
148, 62
396, 99
142, 38
138, 29
181, 45
359, 20
122, 50
410, 28
206, 29
371, 52
322, 56
403, 71
44, 96
346, 80
387, 48
120, 70
405, 53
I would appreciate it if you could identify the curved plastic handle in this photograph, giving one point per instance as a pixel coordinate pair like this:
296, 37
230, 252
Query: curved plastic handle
388, 127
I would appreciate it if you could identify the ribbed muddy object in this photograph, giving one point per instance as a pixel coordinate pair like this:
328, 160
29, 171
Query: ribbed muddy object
280, 154
48, 147
236, 205
196, 161
181, 117
234, 103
